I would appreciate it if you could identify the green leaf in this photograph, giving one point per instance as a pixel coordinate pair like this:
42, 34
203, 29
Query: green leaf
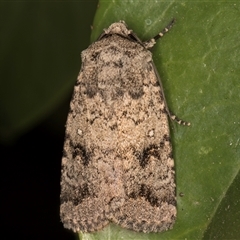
198, 61
40, 48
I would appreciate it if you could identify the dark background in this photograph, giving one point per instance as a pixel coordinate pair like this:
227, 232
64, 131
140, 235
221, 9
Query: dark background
39, 63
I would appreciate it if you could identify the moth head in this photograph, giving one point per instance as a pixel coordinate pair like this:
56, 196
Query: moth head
119, 28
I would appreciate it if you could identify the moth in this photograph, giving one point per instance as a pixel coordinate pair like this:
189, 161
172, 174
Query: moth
117, 163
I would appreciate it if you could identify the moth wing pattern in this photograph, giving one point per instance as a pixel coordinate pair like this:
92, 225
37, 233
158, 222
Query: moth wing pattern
117, 164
